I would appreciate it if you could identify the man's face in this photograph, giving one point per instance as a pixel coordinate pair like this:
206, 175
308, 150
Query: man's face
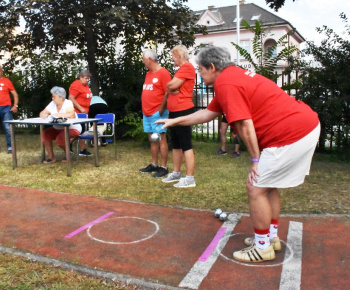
208, 75
146, 62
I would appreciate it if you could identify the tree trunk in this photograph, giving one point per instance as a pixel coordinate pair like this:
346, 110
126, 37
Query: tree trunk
91, 56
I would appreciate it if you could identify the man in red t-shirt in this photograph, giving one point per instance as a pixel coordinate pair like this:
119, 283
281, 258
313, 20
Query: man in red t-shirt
154, 97
80, 94
180, 103
280, 134
6, 109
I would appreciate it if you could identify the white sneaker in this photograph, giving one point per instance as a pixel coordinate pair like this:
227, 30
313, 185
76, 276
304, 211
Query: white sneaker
172, 177
185, 182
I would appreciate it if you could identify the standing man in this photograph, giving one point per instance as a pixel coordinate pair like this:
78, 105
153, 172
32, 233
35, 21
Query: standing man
6, 109
280, 134
154, 100
80, 94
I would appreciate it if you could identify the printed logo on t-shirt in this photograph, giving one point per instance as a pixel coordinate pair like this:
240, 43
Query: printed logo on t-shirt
1, 84
155, 80
249, 73
88, 96
0, 88
148, 87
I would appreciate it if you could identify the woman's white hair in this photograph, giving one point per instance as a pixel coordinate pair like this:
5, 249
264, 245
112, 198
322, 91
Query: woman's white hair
181, 51
59, 91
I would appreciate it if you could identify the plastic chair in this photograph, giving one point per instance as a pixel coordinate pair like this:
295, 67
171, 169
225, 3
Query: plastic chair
109, 120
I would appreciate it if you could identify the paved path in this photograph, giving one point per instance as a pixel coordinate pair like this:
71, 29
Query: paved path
162, 247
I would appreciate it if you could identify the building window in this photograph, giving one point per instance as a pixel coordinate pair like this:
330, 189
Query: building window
240, 19
270, 45
255, 17
245, 44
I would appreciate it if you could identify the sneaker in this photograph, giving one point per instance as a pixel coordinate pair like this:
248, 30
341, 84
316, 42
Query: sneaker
149, 169
172, 177
221, 152
9, 150
71, 149
161, 172
235, 155
254, 255
185, 182
275, 243
84, 153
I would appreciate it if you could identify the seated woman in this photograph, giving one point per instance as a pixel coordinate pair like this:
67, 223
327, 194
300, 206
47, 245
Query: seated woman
59, 107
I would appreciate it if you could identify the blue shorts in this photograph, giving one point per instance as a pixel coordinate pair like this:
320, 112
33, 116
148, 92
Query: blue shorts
150, 127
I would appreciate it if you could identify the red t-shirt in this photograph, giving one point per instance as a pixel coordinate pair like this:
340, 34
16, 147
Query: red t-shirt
82, 95
183, 100
278, 118
153, 90
5, 87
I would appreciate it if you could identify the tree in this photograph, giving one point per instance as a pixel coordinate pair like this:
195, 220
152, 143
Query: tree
275, 4
325, 85
266, 60
92, 26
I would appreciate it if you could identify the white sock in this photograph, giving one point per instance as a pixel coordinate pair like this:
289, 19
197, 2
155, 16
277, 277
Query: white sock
262, 241
273, 230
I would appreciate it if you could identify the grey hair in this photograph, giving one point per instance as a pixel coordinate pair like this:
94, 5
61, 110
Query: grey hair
58, 91
181, 50
150, 53
84, 73
218, 56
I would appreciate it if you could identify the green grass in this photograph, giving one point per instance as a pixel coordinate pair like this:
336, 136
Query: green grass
220, 183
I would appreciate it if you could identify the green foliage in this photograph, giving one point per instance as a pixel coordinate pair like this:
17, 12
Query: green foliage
134, 125
264, 62
92, 27
38, 76
325, 86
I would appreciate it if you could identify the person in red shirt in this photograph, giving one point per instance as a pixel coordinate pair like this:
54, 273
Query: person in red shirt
180, 103
80, 94
280, 133
6, 109
154, 97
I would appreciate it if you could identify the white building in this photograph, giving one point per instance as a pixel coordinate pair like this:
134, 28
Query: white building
221, 23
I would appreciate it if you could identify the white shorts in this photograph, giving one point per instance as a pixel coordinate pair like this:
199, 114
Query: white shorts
286, 166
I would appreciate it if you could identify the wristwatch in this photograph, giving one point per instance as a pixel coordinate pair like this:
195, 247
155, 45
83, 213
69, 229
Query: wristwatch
16, 106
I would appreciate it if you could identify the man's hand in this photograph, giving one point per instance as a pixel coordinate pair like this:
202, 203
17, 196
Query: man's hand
166, 122
14, 109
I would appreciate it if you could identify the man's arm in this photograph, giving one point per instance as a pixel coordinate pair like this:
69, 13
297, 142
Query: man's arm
163, 104
198, 117
14, 108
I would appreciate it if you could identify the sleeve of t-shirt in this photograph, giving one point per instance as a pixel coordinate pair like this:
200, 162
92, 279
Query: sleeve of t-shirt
214, 106
51, 107
73, 90
186, 72
10, 86
165, 78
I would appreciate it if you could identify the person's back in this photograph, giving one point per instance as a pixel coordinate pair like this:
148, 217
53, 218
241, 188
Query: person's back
271, 109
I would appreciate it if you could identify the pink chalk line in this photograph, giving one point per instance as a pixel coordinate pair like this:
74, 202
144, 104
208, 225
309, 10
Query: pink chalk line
206, 254
72, 234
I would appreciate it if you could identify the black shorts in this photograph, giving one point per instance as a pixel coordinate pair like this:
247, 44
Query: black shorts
181, 136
